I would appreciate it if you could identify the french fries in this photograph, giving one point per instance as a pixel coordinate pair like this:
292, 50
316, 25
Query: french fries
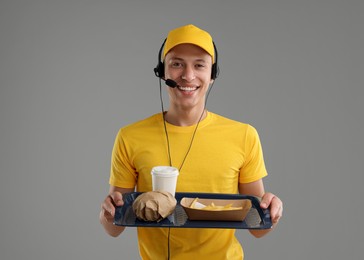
194, 203
212, 206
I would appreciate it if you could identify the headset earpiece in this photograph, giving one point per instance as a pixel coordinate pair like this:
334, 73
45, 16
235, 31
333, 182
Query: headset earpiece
215, 70
159, 70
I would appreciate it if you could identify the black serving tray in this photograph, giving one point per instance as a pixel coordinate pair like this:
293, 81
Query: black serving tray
257, 217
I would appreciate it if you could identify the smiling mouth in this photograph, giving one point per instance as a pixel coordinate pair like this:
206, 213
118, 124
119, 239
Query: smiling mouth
187, 89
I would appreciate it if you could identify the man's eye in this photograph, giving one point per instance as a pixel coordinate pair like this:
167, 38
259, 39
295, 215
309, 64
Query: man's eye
176, 64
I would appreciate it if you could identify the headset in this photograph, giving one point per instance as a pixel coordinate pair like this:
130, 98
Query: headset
159, 69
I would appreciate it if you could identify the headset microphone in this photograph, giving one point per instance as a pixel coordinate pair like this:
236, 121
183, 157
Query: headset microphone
171, 83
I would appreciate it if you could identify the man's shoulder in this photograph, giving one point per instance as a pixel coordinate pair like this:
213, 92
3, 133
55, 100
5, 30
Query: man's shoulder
142, 124
220, 119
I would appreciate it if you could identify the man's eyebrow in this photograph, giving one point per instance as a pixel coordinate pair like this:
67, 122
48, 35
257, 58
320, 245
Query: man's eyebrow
180, 59
176, 58
201, 60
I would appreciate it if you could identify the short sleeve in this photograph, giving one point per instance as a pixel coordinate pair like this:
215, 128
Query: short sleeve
122, 172
253, 168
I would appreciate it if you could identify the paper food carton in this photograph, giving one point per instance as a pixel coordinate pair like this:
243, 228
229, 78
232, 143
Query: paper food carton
216, 209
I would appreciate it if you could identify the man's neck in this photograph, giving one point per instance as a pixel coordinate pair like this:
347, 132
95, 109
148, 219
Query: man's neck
184, 118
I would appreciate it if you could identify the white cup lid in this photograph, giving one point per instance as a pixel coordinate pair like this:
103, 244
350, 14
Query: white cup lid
165, 171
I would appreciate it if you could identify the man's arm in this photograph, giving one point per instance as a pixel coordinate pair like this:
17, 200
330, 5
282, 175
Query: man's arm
107, 212
268, 200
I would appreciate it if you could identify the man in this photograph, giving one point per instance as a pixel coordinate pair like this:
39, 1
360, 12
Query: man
214, 154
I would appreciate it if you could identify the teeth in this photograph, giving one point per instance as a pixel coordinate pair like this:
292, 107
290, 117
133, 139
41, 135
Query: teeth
187, 88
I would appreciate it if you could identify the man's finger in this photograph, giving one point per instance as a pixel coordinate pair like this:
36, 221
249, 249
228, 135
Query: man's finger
276, 209
267, 200
116, 198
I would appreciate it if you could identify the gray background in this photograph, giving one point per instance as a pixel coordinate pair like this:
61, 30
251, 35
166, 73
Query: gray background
73, 72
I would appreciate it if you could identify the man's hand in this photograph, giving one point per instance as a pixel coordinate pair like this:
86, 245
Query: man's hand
275, 204
107, 213
113, 200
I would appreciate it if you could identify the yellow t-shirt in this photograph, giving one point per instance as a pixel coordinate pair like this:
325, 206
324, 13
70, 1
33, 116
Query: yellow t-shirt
224, 153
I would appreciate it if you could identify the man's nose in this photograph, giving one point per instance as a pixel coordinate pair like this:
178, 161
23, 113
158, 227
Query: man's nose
188, 73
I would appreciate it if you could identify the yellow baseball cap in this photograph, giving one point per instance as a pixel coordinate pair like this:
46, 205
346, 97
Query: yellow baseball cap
189, 34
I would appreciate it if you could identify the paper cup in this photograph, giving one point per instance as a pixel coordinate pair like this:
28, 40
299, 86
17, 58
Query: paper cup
164, 178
